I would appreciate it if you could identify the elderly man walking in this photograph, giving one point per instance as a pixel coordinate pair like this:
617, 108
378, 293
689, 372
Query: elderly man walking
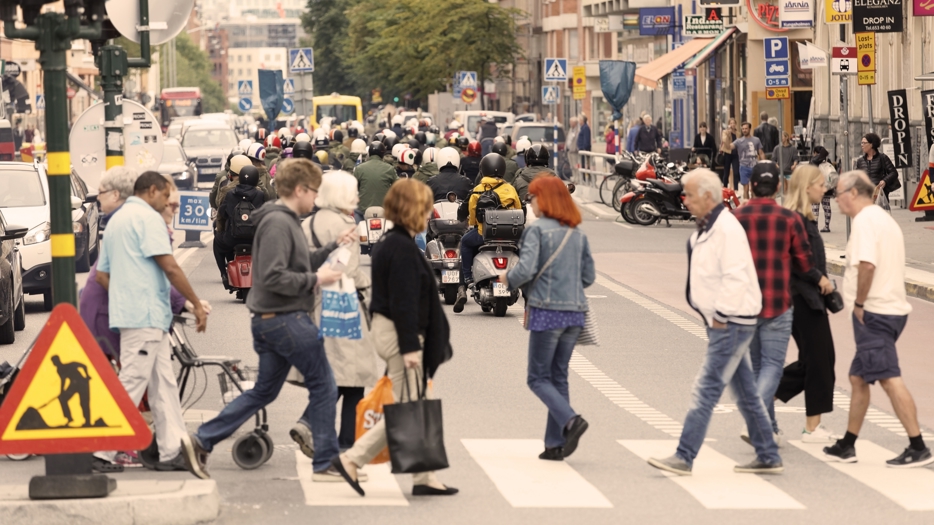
874, 288
722, 287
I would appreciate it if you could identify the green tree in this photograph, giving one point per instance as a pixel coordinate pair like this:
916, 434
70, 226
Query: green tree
326, 25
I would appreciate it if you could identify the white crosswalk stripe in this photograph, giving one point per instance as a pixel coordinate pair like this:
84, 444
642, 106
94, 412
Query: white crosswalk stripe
382, 490
713, 482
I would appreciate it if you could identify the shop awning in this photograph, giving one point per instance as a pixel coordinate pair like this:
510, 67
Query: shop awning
649, 74
711, 48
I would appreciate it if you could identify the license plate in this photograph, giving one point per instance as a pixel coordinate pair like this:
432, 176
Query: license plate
374, 236
450, 276
500, 290
209, 171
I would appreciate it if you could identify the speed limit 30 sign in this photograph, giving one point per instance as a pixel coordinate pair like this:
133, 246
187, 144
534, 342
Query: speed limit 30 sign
194, 211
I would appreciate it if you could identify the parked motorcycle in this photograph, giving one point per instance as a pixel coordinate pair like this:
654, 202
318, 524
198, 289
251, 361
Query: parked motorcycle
372, 228
663, 200
444, 248
240, 271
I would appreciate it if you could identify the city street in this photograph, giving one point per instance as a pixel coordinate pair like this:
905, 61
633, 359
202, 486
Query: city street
633, 389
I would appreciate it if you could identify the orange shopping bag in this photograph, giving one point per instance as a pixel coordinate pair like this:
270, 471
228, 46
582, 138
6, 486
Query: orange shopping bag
370, 412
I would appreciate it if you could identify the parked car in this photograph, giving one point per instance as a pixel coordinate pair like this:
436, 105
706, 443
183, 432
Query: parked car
471, 120
176, 164
544, 133
207, 144
24, 199
12, 301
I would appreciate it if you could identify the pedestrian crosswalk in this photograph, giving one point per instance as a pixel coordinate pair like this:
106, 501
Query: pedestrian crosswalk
382, 489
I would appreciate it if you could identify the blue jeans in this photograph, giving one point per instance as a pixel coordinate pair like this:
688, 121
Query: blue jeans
421, 241
767, 350
727, 362
470, 245
286, 340
549, 355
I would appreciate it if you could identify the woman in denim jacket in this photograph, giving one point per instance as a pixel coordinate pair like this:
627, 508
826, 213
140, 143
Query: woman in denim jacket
556, 305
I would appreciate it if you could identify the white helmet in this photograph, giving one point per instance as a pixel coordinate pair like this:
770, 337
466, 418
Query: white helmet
358, 146
357, 124
406, 156
285, 132
388, 133
449, 157
429, 155
454, 124
244, 144
398, 119
499, 139
302, 137
412, 123
523, 145
397, 149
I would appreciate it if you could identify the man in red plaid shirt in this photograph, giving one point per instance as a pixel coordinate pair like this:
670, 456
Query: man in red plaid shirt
779, 245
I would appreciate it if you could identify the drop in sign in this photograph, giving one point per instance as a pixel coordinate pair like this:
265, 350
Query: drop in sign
901, 133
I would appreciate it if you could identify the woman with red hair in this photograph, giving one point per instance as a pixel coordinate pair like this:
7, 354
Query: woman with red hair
554, 267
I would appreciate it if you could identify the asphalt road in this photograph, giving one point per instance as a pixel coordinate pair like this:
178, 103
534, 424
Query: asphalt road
633, 389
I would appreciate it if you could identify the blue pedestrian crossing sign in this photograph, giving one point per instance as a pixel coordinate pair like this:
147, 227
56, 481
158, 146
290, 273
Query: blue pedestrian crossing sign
288, 106
244, 88
301, 60
245, 104
468, 79
40, 102
556, 70
550, 94
288, 86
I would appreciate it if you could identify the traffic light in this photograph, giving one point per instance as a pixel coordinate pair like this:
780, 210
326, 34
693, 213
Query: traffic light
395, 99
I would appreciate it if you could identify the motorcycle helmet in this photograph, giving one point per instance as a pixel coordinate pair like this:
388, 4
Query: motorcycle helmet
398, 119
302, 137
321, 143
522, 145
415, 143
449, 157
430, 155
397, 149
474, 149
358, 146
233, 153
493, 165
378, 137
249, 175
302, 150
273, 141
322, 157
285, 133
353, 132
237, 163
406, 156
454, 125
390, 142
537, 155
256, 152
244, 144
376, 149
338, 136
462, 143
434, 129
499, 148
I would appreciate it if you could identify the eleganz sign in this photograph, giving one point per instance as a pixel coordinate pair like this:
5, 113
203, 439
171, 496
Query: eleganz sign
877, 16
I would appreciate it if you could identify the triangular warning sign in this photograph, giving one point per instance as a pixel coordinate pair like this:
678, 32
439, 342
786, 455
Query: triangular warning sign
246, 87
923, 199
67, 398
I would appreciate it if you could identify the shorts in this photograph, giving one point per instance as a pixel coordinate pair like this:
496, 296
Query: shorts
787, 176
876, 357
744, 175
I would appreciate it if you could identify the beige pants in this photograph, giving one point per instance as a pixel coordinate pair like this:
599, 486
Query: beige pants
386, 341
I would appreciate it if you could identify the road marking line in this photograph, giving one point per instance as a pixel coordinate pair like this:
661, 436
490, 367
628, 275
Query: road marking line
912, 489
621, 225
381, 488
526, 481
713, 482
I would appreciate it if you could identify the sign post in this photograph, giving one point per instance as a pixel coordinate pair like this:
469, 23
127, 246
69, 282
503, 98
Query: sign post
556, 70
778, 74
301, 65
194, 217
866, 67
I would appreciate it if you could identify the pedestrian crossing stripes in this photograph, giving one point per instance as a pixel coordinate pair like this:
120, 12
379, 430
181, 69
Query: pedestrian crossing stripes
526, 481
687, 325
381, 488
713, 482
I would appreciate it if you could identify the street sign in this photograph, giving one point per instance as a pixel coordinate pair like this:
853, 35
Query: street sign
901, 131
579, 82
776, 47
796, 13
777, 82
556, 70
701, 25
67, 398
244, 87
245, 104
550, 94
166, 18
288, 106
777, 93
776, 68
40, 102
11, 69
843, 60
469, 95
468, 79
194, 211
288, 86
923, 199
866, 78
866, 50
301, 60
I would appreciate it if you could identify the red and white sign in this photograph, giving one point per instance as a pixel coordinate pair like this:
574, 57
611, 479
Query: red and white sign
843, 61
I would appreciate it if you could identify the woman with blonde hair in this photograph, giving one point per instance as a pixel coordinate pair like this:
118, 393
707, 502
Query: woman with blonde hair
727, 136
813, 372
409, 329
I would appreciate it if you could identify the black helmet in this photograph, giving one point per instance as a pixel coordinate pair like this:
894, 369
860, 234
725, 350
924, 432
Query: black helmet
434, 129
286, 142
537, 155
376, 149
302, 150
493, 165
233, 153
499, 148
352, 132
462, 143
320, 143
415, 143
421, 138
249, 175
338, 136
389, 142
378, 137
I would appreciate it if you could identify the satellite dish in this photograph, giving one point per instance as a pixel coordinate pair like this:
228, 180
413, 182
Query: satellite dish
167, 18
142, 142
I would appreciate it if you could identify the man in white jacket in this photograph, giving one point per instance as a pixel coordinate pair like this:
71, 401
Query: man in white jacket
723, 288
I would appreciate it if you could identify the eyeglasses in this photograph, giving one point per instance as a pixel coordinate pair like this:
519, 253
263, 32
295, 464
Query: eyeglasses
863, 143
309, 188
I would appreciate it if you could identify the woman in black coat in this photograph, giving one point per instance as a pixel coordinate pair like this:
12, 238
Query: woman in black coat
704, 143
877, 165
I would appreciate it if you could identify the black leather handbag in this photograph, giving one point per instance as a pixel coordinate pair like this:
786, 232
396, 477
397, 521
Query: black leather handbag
415, 434
834, 301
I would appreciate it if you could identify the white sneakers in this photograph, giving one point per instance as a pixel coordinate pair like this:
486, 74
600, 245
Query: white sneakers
819, 435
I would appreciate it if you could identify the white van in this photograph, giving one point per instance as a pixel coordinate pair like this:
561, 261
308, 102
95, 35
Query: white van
471, 120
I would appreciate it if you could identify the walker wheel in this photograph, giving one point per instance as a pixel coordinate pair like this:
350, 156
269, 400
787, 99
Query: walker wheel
250, 451
269, 444
18, 457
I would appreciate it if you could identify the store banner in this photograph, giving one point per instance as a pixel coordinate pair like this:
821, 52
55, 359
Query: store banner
924, 8
927, 106
817, 57
838, 11
657, 21
877, 16
795, 13
901, 131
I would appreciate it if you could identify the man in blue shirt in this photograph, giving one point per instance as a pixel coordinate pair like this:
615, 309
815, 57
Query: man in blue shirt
583, 144
136, 266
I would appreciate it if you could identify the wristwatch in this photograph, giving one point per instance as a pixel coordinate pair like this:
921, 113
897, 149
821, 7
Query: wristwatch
857, 304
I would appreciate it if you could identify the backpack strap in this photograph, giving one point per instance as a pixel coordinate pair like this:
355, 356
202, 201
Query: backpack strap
311, 229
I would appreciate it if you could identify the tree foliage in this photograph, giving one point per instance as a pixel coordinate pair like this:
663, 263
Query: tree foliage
326, 25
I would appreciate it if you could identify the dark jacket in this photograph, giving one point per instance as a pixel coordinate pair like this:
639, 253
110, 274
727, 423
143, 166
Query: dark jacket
470, 167
648, 139
768, 136
804, 284
583, 138
283, 269
488, 131
448, 179
880, 168
705, 147
405, 291
511, 169
374, 177
425, 172
241, 192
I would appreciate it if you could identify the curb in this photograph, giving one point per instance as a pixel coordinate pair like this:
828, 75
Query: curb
176, 502
912, 288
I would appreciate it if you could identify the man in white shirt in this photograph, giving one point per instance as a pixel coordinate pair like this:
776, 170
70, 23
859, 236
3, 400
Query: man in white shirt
874, 288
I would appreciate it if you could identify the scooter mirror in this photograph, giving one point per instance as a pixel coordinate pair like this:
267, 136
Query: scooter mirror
571, 187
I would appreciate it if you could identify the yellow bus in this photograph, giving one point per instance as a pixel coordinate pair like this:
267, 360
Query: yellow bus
341, 108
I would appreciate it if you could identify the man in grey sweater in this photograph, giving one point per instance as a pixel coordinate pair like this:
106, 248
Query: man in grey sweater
284, 335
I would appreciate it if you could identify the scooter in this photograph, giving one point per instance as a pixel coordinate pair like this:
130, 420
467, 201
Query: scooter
444, 248
663, 200
240, 271
372, 228
499, 253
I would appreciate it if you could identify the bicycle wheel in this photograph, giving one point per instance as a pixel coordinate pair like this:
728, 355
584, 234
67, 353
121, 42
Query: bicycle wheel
622, 188
607, 187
